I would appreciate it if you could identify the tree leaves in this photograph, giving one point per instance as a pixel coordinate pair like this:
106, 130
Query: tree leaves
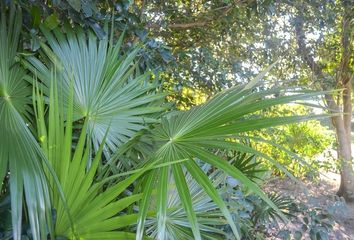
76, 4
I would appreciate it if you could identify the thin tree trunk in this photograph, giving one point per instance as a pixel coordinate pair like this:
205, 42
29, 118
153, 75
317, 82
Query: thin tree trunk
344, 129
346, 188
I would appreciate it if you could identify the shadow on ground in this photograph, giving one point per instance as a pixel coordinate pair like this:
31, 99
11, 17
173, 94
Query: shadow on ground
318, 194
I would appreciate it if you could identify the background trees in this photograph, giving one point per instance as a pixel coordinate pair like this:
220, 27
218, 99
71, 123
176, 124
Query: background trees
333, 69
313, 40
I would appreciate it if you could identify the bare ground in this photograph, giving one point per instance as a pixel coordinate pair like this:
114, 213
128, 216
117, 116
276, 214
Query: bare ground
320, 194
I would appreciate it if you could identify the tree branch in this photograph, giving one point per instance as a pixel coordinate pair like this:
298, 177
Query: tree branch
308, 58
303, 51
216, 13
179, 25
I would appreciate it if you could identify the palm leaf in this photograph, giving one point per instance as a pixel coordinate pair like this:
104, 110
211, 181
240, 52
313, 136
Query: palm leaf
264, 214
19, 152
94, 210
108, 91
175, 220
196, 133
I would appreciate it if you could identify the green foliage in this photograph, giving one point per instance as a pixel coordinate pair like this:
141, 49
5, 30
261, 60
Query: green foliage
5, 216
209, 216
264, 215
307, 140
252, 215
316, 224
88, 13
90, 97
186, 98
248, 164
191, 134
205, 39
121, 15
211, 44
89, 210
20, 154
107, 92
189, 42
181, 136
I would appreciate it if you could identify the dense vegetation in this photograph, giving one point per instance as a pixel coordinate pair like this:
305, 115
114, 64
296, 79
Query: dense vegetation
162, 120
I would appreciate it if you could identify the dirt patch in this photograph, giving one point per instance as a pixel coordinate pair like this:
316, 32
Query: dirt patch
318, 194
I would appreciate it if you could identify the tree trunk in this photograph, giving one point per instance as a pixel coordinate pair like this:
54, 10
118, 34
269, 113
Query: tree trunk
344, 153
343, 129
343, 108
342, 126
346, 188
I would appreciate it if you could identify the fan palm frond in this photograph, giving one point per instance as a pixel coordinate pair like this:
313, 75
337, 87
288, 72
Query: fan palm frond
177, 224
195, 134
108, 91
264, 214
